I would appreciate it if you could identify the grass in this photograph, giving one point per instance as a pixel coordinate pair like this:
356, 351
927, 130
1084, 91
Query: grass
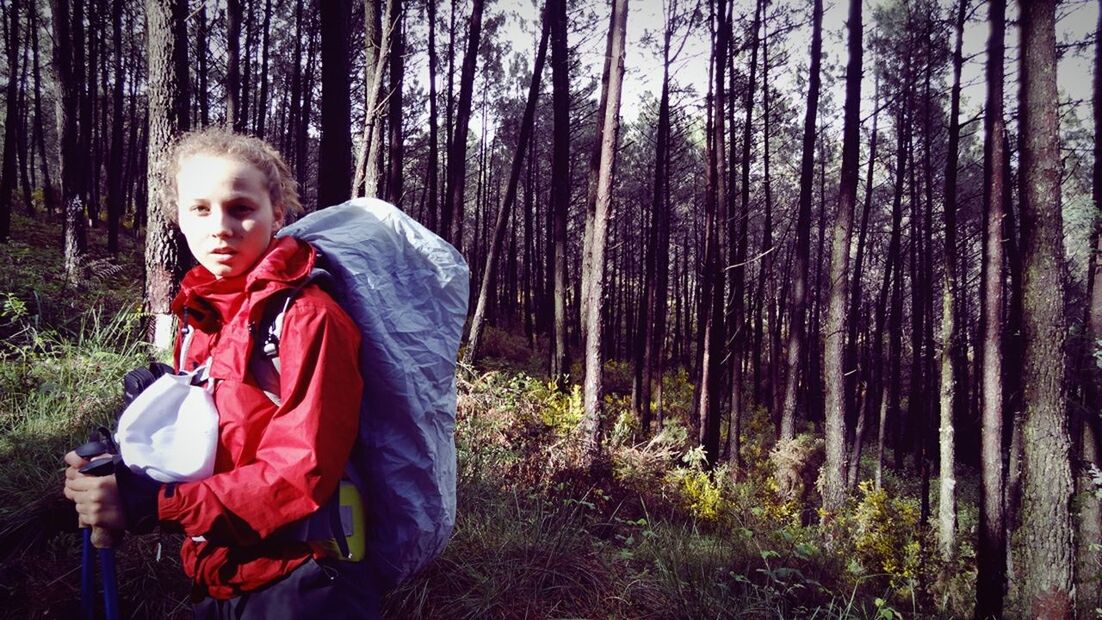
652, 535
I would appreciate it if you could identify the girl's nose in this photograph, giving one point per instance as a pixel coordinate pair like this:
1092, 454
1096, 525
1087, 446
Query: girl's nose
222, 225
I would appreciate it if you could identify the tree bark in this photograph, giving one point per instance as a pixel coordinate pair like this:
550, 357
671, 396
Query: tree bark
592, 396
39, 124
872, 369
233, 64
11, 123
991, 544
798, 300
1088, 587
335, 145
739, 323
712, 304
115, 164
834, 470
950, 354
1044, 549
377, 33
262, 103
434, 139
67, 129
162, 247
560, 176
394, 117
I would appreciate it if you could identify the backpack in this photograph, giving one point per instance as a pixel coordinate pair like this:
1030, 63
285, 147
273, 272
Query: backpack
407, 290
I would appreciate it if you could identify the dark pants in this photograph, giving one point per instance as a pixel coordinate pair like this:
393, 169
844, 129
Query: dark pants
317, 589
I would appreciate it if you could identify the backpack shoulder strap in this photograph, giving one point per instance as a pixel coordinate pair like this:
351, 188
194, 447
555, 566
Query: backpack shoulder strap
264, 360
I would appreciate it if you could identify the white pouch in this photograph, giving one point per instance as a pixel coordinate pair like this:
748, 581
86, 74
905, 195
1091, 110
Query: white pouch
170, 431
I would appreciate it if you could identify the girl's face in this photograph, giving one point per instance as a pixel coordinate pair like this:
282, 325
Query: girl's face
225, 212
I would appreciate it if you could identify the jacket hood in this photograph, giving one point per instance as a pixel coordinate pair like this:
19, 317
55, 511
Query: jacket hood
287, 262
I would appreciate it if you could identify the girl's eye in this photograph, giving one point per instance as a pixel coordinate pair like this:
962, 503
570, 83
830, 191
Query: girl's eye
241, 210
199, 209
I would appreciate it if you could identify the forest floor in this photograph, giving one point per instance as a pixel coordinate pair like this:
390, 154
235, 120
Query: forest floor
651, 534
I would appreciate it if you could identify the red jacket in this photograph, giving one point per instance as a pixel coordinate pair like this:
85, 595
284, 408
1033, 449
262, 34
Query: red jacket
274, 465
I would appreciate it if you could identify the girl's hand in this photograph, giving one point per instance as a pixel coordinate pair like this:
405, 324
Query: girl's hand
96, 498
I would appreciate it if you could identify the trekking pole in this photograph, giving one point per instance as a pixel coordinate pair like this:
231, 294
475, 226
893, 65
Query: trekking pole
87, 577
99, 467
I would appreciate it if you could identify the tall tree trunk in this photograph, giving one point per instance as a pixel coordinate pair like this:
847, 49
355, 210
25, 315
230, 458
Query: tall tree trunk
457, 152
834, 472
991, 545
203, 44
1044, 549
506, 206
335, 145
592, 396
115, 164
262, 102
950, 354
656, 276
67, 129
739, 327
39, 122
11, 123
434, 139
872, 368
798, 301
22, 137
290, 145
88, 113
1088, 587
377, 33
162, 253
711, 315
233, 64
247, 69
591, 186
560, 201
892, 286
768, 297
394, 118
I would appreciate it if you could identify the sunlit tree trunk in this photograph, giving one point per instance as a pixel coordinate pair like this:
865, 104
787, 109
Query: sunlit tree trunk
1088, 587
991, 546
834, 471
1043, 550
873, 375
592, 395
162, 247
950, 354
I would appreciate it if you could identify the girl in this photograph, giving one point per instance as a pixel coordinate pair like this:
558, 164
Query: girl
274, 464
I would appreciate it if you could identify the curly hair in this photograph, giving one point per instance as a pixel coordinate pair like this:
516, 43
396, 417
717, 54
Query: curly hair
282, 187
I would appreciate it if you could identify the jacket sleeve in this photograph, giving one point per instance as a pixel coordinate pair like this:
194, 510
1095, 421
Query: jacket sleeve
301, 453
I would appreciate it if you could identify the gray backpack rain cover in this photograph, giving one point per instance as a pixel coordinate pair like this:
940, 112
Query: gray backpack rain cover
407, 290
